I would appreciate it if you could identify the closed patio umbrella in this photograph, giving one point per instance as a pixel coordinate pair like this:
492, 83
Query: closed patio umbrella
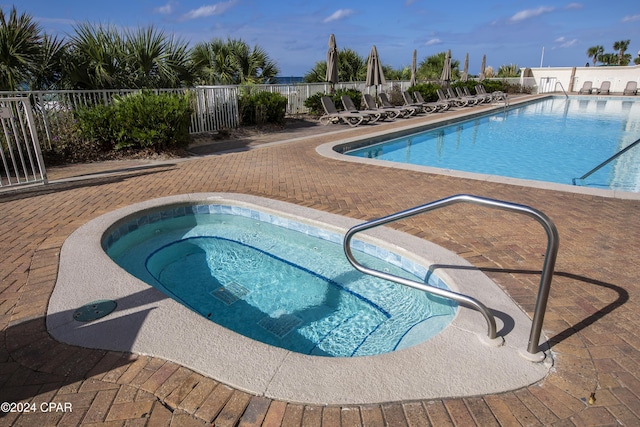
465, 73
375, 75
482, 67
445, 78
332, 62
414, 68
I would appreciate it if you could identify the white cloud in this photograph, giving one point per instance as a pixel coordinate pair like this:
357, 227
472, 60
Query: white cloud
164, 10
573, 6
338, 14
530, 13
57, 20
211, 10
566, 43
433, 42
631, 18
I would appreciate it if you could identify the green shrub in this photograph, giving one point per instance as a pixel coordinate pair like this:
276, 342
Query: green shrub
469, 84
261, 107
69, 146
493, 85
138, 121
427, 90
314, 104
354, 94
395, 95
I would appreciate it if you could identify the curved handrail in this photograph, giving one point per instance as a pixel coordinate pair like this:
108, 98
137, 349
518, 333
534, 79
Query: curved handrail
562, 87
545, 278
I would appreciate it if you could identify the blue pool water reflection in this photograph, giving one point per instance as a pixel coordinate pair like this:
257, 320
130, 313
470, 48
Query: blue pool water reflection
553, 140
279, 281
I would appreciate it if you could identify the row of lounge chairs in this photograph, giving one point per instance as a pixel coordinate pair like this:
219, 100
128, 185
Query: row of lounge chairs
605, 88
412, 105
354, 117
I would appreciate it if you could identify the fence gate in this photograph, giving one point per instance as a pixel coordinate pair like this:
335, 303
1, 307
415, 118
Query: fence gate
20, 150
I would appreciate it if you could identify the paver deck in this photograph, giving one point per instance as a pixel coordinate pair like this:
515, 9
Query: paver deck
592, 321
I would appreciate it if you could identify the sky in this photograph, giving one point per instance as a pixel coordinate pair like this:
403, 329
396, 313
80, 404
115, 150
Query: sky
295, 34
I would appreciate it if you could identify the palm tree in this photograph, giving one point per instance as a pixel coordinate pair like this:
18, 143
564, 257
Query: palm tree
48, 71
511, 70
19, 48
608, 58
431, 67
351, 68
213, 63
252, 65
622, 46
403, 73
155, 60
96, 58
595, 52
232, 62
318, 73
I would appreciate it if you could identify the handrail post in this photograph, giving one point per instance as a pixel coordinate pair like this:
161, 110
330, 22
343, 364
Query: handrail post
561, 87
545, 278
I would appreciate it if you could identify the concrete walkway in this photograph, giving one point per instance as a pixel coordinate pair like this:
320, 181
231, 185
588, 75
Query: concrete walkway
592, 321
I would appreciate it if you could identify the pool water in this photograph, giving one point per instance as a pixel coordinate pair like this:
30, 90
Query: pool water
552, 140
281, 282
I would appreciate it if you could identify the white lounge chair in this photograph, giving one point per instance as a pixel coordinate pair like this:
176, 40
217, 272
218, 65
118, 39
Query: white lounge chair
587, 87
605, 86
631, 88
332, 115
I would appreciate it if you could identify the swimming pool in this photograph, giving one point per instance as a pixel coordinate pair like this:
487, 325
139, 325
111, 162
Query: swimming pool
279, 281
551, 140
456, 362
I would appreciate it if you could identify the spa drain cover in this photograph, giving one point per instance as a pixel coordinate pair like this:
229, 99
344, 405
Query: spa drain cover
94, 310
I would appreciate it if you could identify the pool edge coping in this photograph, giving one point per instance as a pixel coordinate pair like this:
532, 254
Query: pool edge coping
329, 150
401, 375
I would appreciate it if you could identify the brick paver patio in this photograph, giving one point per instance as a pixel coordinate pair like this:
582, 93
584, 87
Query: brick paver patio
592, 321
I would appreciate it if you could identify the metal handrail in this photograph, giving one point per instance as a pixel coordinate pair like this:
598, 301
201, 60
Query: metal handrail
562, 87
601, 165
545, 278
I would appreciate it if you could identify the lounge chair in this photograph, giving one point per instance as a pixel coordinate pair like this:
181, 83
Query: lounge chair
332, 115
410, 102
392, 112
483, 98
449, 96
374, 115
440, 106
496, 95
586, 87
604, 87
444, 98
411, 109
631, 88
473, 100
